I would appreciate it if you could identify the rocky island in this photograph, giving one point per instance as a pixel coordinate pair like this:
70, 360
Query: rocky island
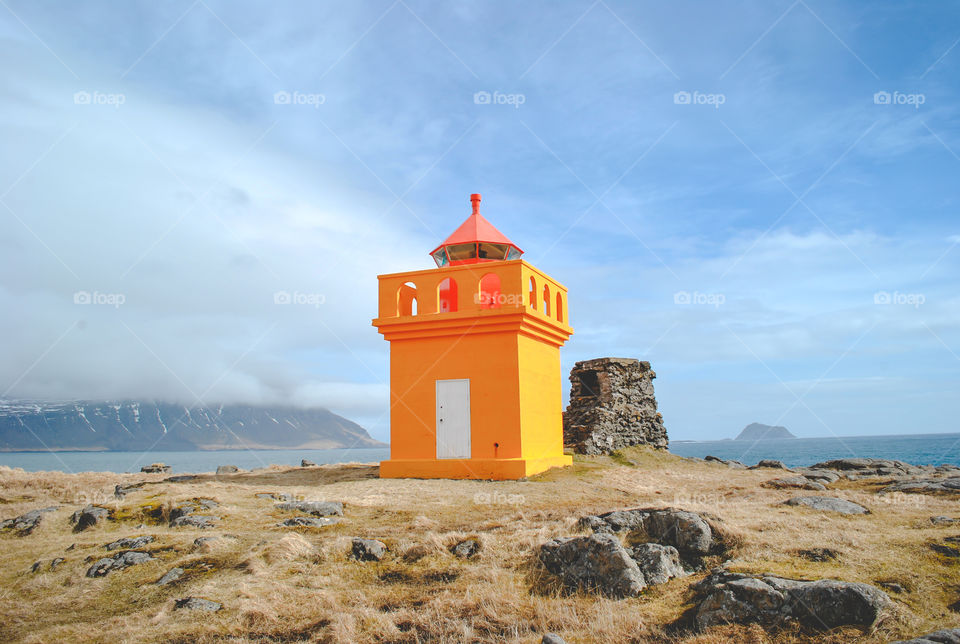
759, 431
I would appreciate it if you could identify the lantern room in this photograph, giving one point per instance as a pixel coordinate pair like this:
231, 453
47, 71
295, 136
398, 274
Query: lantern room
475, 378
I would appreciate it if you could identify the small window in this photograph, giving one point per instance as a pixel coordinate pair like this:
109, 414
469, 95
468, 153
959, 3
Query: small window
559, 308
490, 291
533, 293
447, 296
546, 299
460, 252
407, 299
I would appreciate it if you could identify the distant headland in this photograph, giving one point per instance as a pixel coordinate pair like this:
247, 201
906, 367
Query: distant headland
759, 431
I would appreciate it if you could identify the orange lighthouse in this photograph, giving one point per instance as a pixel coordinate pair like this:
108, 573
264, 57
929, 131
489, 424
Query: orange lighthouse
475, 382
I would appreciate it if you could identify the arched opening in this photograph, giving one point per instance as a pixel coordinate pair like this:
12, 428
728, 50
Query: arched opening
546, 299
407, 299
447, 295
533, 293
559, 308
490, 291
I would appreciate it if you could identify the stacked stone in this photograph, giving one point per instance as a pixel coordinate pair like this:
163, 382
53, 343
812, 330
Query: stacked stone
612, 405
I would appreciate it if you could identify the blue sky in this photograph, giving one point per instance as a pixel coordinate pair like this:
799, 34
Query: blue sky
783, 246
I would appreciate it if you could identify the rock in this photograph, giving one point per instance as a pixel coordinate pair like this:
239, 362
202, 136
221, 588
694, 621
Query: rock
950, 485
36, 566
88, 517
828, 504
71, 546
551, 638
121, 490
227, 469
307, 522
768, 463
821, 476
367, 549
688, 532
181, 478
942, 520
171, 576
867, 467
612, 406
197, 603
892, 586
597, 562
770, 601
305, 463
949, 548
156, 468
945, 636
819, 554
200, 542
194, 521
316, 508
793, 482
659, 564
56, 562
733, 464
27, 522
130, 543
465, 549
275, 496
118, 562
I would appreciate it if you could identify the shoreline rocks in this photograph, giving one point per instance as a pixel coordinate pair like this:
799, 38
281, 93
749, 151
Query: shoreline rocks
26, 522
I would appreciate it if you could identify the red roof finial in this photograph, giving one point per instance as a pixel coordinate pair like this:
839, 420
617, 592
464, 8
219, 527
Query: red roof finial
475, 200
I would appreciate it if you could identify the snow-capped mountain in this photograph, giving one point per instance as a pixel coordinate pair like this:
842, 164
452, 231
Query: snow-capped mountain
137, 425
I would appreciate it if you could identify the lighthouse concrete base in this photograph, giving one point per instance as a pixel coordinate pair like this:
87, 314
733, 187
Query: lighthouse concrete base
497, 469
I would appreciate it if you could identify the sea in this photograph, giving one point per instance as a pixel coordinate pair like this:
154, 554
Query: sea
918, 449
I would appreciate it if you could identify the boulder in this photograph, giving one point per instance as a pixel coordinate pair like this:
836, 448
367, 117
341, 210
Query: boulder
659, 564
367, 549
197, 603
945, 636
769, 463
793, 482
316, 508
156, 468
732, 464
950, 547
821, 476
828, 504
227, 469
868, 467
88, 517
551, 638
305, 463
121, 490
949, 485
275, 496
612, 406
597, 562
194, 521
307, 522
170, 576
768, 600
56, 562
26, 522
465, 549
688, 532
130, 543
118, 562
942, 520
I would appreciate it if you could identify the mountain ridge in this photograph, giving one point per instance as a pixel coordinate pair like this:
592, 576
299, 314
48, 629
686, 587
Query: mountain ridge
132, 425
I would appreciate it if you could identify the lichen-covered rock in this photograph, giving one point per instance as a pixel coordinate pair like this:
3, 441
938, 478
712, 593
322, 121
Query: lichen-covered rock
305, 463
770, 464
659, 564
316, 508
855, 468
793, 482
26, 522
275, 496
88, 517
465, 549
551, 638
733, 598
307, 522
194, 521
732, 464
367, 549
949, 485
612, 405
130, 543
821, 476
943, 520
945, 636
156, 468
197, 603
118, 562
227, 469
597, 563
688, 532
828, 504
170, 576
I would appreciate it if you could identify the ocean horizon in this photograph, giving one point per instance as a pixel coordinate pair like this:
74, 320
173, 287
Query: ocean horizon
917, 449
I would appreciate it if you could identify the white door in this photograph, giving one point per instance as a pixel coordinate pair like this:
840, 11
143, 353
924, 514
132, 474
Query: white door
453, 418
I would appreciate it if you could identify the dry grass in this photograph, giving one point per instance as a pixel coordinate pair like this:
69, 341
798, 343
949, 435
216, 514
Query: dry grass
282, 585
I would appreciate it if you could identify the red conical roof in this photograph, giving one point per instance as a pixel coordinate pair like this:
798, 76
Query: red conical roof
476, 229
